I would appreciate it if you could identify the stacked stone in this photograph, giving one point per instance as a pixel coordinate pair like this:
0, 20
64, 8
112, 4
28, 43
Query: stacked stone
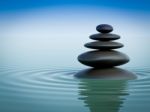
104, 56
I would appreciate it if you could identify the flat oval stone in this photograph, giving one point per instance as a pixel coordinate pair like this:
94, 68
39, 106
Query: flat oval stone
104, 28
103, 45
104, 37
106, 73
103, 59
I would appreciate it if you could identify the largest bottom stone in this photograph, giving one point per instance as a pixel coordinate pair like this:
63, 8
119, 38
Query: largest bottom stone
102, 59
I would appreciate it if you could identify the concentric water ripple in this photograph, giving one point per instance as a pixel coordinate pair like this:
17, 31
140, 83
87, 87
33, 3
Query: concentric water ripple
48, 89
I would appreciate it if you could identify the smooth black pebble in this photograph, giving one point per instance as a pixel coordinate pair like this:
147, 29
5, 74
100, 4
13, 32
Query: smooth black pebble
104, 28
104, 37
102, 59
102, 45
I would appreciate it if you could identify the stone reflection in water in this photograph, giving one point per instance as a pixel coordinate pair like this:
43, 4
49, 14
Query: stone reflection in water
102, 95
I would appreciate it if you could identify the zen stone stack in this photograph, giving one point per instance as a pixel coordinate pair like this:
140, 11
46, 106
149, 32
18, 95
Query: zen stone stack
104, 56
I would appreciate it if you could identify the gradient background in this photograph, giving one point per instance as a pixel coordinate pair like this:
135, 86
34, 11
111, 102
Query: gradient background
51, 33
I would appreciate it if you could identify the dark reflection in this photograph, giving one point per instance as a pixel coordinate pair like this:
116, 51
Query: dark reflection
103, 90
102, 95
106, 73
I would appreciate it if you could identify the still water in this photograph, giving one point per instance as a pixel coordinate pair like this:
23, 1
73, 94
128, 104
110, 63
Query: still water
57, 90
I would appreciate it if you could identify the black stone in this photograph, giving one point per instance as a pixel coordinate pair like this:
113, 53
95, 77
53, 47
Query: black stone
103, 59
104, 37
104, 28
106, 73
103, 45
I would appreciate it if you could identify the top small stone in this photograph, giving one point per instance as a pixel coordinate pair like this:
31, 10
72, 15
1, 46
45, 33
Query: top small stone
104, 28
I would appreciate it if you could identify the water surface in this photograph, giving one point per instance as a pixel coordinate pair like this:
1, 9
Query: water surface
57, 90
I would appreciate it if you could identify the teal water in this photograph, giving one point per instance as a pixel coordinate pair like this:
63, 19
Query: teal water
57, 90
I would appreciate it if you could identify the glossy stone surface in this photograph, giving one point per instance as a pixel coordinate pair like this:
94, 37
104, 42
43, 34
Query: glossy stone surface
103, 45
104, 28
106, 73
103, 59
104, 37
